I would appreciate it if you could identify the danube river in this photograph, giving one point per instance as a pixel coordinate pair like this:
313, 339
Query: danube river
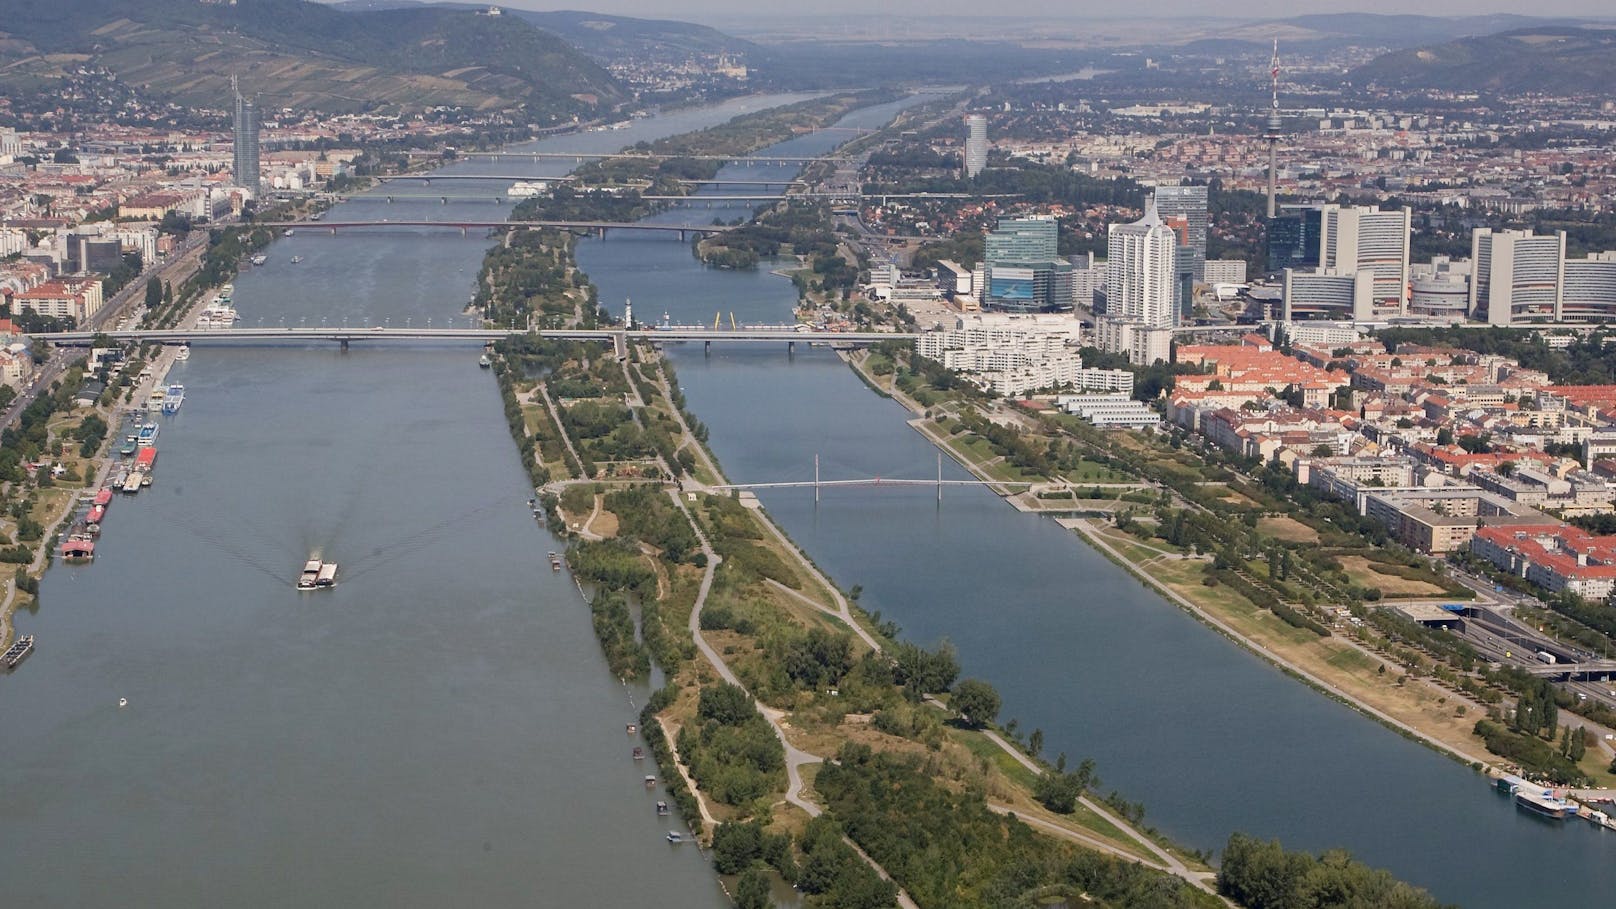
438, 730
1209, 737
441, 727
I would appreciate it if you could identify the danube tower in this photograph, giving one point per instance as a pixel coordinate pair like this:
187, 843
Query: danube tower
1273, 135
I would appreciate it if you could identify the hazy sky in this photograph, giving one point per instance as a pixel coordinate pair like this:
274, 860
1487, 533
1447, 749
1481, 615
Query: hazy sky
708, 10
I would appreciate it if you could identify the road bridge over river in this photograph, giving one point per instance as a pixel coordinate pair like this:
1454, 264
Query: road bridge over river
789, 335
597, 227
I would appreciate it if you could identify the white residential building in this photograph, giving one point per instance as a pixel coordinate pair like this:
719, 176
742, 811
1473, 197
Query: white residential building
1109, 410
1010, 353
1141, 281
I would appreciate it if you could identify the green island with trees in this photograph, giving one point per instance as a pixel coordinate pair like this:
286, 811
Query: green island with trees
917, 784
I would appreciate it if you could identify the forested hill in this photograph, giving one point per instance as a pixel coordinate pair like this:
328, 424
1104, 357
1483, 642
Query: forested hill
1561, 60
300, 54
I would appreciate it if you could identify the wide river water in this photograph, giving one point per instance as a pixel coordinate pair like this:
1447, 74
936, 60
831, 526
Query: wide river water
441, 727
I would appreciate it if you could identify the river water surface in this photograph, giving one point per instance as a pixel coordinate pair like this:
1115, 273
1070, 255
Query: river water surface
438, 730
441, 728
1210, 738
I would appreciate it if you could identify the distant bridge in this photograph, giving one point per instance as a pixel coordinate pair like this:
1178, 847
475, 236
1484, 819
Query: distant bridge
499, 197
597, 227
530, 178
786, 334
638, 156
817, 484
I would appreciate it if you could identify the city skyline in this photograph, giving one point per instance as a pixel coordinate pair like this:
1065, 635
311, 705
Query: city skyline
1034, 9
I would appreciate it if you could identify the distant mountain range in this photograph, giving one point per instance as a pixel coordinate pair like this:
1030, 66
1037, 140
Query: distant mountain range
1553, 59
307, 55
601, 36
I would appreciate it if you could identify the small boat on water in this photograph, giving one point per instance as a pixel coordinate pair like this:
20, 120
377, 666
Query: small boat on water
484, 361
631, 729
639, 753
289, 231
650, 781
675, 836
17, 652
260, 259
662, 809
295, 259
183, 354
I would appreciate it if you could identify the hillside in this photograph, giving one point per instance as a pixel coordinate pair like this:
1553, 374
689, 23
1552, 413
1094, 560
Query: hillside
1563, 60
304, 55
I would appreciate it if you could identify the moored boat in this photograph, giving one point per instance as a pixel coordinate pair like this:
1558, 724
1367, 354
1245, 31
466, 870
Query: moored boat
1543, 802
17, 652
173, 398
183, 354
78, 548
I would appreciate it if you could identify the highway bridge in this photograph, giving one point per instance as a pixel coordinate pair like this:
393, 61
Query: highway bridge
597, 227
1584, 671
783, 334
496, 196
595, 156
529, 178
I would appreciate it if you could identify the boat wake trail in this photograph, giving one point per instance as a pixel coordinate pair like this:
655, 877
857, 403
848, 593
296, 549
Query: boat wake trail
413, 543
215, 538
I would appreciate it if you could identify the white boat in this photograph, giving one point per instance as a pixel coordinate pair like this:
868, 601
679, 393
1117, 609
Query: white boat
217, 316
260, 259
527, 189
295, 259
183, 354
675, 836
289, 231
173, 398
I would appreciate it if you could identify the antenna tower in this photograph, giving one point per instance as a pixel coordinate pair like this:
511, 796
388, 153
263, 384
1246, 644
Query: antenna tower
1274, 133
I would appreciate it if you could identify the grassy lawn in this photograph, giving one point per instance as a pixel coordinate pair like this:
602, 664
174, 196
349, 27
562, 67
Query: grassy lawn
1363, 573
1288, 530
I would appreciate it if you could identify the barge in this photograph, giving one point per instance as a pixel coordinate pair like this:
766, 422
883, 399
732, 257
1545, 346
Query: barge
317, 575
17, 652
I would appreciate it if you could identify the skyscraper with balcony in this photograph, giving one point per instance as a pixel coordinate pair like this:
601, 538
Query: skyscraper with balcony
976, 144
244, 125
1141, 289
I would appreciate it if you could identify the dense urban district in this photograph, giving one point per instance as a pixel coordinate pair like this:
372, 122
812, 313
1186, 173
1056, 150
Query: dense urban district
1328, 368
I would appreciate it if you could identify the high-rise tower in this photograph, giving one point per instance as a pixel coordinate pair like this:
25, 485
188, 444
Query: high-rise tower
1273, 135
976, 144
244, 125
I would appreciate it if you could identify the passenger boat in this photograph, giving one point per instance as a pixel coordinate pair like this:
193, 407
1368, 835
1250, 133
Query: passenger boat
1543, 802
147, 437
295, 259
650, 781
173, 398
130, 443
17, 652
154, 401
183, 354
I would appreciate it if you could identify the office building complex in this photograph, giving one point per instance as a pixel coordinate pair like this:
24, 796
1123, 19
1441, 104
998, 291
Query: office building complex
1188, 203
1024, 274
244, 125
1519, 276
1365, 238
1141, 282
976, 144
1293, 239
